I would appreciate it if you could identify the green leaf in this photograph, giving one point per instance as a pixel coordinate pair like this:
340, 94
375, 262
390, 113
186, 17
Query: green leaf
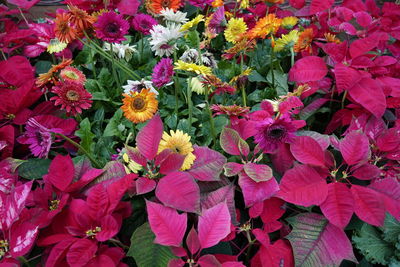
42, 66
86, 135
112, 126
34, 168
371, 244
280, 81
145, 252
391, 229
193, 38
256, 77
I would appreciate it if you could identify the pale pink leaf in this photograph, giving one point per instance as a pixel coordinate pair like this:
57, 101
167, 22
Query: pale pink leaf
229, 140
258, 172
208, 164
149, 137
254, 192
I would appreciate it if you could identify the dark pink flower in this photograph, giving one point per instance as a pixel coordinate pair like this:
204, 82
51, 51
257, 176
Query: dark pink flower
217, 20
163, 72
72, 97
143, 23
200, 3
111, 27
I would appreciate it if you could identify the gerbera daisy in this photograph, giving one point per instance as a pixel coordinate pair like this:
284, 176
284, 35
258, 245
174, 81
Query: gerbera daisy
198, 69
72, 97
264, 26
156, 6
233, 110
331, 38
178, 142
38, 138
111, 27
304, 41
197, 86
49, 77
286, 40
217, 20
163, 72
163, 39
200, 3
175, 17
190, 56
137, 86
80, 18
55, 46
63, 28
217, 3
188, 25
235, 29
71, 74
143, 23
122, 50
139, 107
289, 22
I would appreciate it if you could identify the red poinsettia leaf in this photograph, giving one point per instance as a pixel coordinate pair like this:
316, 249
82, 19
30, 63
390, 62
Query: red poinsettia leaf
229, 140
306, 150
346, 77
302, 185
192, 241
273, 209
176, 263
214, 225
388, 140
59, 251
278, 254
168, 226
23, 237
172, 162
389, 189
128, 7
208, 164
368, 205
339, 205
307, 69
149, 137
61, 172
178, 190
297, 3
135, 155
361, 46
224, 194
232, 168
233, 264
81, 252
208, 261
24, 4
354, 147
144, 185
254, 192
97, 201
109, 228
258, 172
368, 93
320, 5
367, 171
282, 159
363, 18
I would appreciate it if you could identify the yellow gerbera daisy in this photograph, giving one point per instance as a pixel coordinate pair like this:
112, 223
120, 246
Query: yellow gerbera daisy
289, 22
264, 26
197, 86
286, 40
139, 107
178, 142
190, 24
244, 4
198, 69
235, 29
56, 46
130, 165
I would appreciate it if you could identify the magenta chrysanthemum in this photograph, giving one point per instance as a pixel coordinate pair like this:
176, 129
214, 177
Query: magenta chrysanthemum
163, 72
143, 23
72, 97
38, 138
273, 132
111, 27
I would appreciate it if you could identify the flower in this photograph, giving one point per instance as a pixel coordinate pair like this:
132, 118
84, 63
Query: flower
174, 17
63, 28
55, 46
80, 18
264, 26
122, 50
304, 41
273, 132
163, 39
178, 142
331, 38
111, 27
139, 107
289, 22
156, 6
208, 59
233, 110
38, 138
235, 29
217, 20
137, 86
198, 69
72, 74
49, 77
188, 25
190, 56
286, 40
197, 86
143, 23
72, 97
200, 3
163, 72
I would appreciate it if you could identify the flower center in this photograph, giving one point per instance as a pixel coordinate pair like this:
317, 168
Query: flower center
112, 28
276, 133
53, 204
3, 248
72, 75
165, 3
93, 232
72, 95
138, 104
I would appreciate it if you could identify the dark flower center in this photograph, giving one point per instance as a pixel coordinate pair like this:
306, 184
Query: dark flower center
53, 204
112, 28
72, 95
165, 3
276, 132
138, 103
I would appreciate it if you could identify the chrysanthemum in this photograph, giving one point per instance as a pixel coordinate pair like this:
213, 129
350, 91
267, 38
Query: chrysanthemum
80, 18
190, 24
63, 29
72, 97
122, 50
175, 17
137, 86
111, 27
178, 142
304, 41
143, 23
198, 69
235, 29
273, 132
163, 72
139, 107
163, 39
289, 22
156, 6
264, 26
286, 40
71, 74
37, 137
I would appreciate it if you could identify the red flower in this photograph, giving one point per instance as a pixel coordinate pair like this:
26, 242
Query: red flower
72, 97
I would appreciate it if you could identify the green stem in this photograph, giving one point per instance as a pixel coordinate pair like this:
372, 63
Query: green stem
75, 144
141, 47
190, 104
244, 96
291, 56
115, 74
212, 126
272, 67
24, 261
344, 98
177, 87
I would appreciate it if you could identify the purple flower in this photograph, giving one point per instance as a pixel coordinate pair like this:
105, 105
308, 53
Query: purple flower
217, 20
273, 132
200, 3
163, 72
143, 23
37, 137
111, 27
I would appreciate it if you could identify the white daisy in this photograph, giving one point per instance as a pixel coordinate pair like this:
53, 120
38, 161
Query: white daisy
122, 50
190, 56
175, 17
163, 39
137, 86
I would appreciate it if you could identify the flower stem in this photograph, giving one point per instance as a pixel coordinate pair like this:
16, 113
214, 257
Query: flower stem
75, 144
272, 67
176, 86
244, 96
212, 126
190, 104
291, 56
115, 74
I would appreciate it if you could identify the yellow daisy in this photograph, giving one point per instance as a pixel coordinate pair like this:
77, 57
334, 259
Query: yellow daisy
289, 22
244, 4
139, 107
197, 86
235, 29
190, 24
178, 142
264, 26
130, 165
198, 69
56, 46
286, 40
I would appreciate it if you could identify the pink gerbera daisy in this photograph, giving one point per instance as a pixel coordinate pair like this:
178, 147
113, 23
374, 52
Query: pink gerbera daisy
163, 72
72, 74
111, 27
38, 137
143, 23
72, 97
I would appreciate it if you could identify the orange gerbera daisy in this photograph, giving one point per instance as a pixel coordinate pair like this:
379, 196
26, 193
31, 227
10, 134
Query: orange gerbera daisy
266, 25
155, 6
304, 41
331, 38
63, 28
139, 107
80, 18
49, 77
